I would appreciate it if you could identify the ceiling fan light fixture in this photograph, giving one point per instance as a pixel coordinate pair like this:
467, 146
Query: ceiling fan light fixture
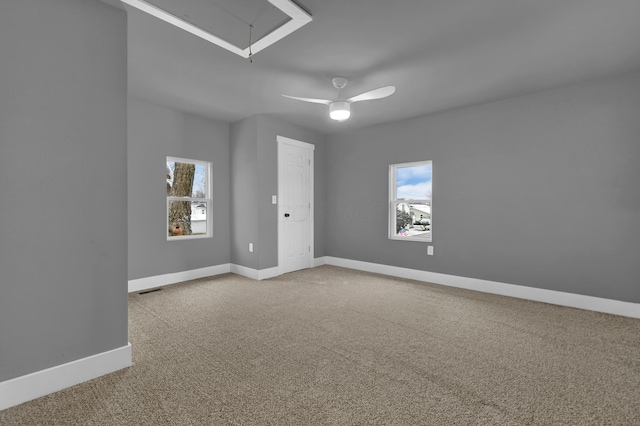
339, 110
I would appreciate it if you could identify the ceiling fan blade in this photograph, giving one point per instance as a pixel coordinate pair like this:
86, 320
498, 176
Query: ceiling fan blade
382, 92
315, 101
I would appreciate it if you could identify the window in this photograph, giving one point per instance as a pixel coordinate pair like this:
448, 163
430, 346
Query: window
410, 206
188, 199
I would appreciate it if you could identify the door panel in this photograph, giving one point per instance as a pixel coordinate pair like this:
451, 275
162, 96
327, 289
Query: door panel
294, 206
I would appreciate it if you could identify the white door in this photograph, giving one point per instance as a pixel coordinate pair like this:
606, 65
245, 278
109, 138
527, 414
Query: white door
295, 205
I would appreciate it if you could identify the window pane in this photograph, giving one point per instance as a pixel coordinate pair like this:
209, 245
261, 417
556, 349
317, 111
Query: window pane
187, 218
186, 179
188, 198
410, 189
200, 182
413, 182
179, 218
413, 220
199, 218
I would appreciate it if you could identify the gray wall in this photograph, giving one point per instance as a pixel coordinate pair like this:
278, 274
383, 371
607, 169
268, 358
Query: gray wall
63, 184
244, 192
156, 132
254, 165
540, 190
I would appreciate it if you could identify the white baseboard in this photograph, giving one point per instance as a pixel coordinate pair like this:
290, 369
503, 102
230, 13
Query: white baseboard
146, 283
244, 271
264, 274
319, 261
255, 274
579, 301
31, 386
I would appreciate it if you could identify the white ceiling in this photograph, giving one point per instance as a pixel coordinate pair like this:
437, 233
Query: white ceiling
440, 54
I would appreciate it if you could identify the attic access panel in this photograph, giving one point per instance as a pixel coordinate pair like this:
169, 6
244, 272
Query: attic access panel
226, 23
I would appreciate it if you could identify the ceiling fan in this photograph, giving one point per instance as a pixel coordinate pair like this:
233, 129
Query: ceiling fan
340, 109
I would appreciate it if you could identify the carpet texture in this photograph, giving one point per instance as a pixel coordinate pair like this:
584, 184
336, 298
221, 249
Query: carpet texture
341, 347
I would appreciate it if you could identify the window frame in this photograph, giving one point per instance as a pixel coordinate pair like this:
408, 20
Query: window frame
394, 201
207, 200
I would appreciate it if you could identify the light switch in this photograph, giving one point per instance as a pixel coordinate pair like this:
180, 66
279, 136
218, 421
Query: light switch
274, 199
430, 250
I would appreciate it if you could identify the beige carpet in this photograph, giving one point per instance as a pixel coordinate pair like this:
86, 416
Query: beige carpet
341, 347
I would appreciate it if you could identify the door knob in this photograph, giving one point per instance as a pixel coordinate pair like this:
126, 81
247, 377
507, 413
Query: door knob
286, 215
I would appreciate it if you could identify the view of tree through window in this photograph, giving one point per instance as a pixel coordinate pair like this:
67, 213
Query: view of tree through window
410, 196
188, 197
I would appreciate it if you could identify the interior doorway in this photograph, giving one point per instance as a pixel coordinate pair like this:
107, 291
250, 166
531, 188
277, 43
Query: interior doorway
295, 205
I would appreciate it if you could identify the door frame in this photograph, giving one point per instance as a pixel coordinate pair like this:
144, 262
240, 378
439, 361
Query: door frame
281, 140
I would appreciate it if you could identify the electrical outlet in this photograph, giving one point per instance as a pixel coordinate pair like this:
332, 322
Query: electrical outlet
430, 250
250, 247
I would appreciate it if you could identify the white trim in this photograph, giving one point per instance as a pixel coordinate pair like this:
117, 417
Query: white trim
255, 274
31, 386
192, 161
146, 283
265, 274
299, 18
299, 144
394, 201
319, 261
311, 148
207, 200
579, 301
244, 271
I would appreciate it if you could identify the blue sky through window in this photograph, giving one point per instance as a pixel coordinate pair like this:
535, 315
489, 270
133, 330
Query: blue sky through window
414, 182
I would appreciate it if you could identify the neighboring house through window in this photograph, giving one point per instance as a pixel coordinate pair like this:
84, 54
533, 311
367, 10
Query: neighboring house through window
410, 201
